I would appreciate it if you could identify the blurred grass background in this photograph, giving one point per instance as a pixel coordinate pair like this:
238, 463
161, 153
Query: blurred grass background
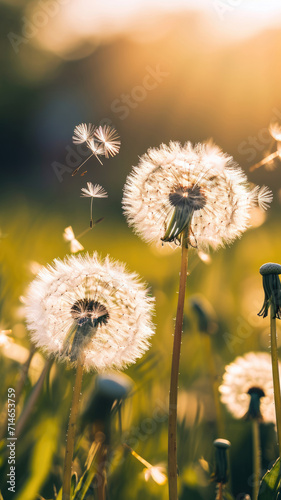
222, 81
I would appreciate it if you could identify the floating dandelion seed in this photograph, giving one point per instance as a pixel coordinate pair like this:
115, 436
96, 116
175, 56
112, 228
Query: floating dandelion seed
102, 141
248, 375
84, 305
83, 133
75, 245
93, 191
275, 131
262, 196
109, 139
5, 340
174, 188
157, 473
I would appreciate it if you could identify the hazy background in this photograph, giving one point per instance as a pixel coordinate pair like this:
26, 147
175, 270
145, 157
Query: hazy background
217, 67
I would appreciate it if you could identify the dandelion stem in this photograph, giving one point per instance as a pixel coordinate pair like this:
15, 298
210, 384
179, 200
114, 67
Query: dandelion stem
23, 418
256, 457
220, 491
71, 430
264, 161
172, 436
214, 382
275, 373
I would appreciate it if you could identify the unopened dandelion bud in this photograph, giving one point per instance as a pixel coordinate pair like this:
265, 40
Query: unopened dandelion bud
205, 314
272, 290
254, 412
109, 390
221, 470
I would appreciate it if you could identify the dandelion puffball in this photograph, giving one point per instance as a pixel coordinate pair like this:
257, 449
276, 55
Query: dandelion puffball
85, 305
253, 371
177, 187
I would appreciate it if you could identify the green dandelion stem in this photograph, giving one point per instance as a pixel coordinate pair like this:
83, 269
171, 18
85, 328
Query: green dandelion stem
172, 433
256, 457
71, 430
275, 373
23, 418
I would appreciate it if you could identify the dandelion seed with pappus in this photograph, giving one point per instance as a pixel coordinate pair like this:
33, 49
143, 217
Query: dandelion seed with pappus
190, 197
101, 141
93, 191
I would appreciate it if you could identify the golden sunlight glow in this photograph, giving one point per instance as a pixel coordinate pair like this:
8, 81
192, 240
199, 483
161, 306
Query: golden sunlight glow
73, 29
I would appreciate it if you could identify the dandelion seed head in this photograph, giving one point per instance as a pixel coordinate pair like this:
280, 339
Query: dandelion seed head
83, 133
245, 373
94, 191
199, 181
109, 139
99, 298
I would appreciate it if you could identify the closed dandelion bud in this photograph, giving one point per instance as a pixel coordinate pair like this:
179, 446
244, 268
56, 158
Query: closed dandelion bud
272, 289
221, 471
109, 390
205, 314
254, 412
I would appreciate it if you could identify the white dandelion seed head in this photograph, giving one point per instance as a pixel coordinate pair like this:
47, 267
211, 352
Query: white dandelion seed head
94, 191
84, 291
214, 186
157, 473
83, 133
109, 139
254, 369
275, 131
261, 196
